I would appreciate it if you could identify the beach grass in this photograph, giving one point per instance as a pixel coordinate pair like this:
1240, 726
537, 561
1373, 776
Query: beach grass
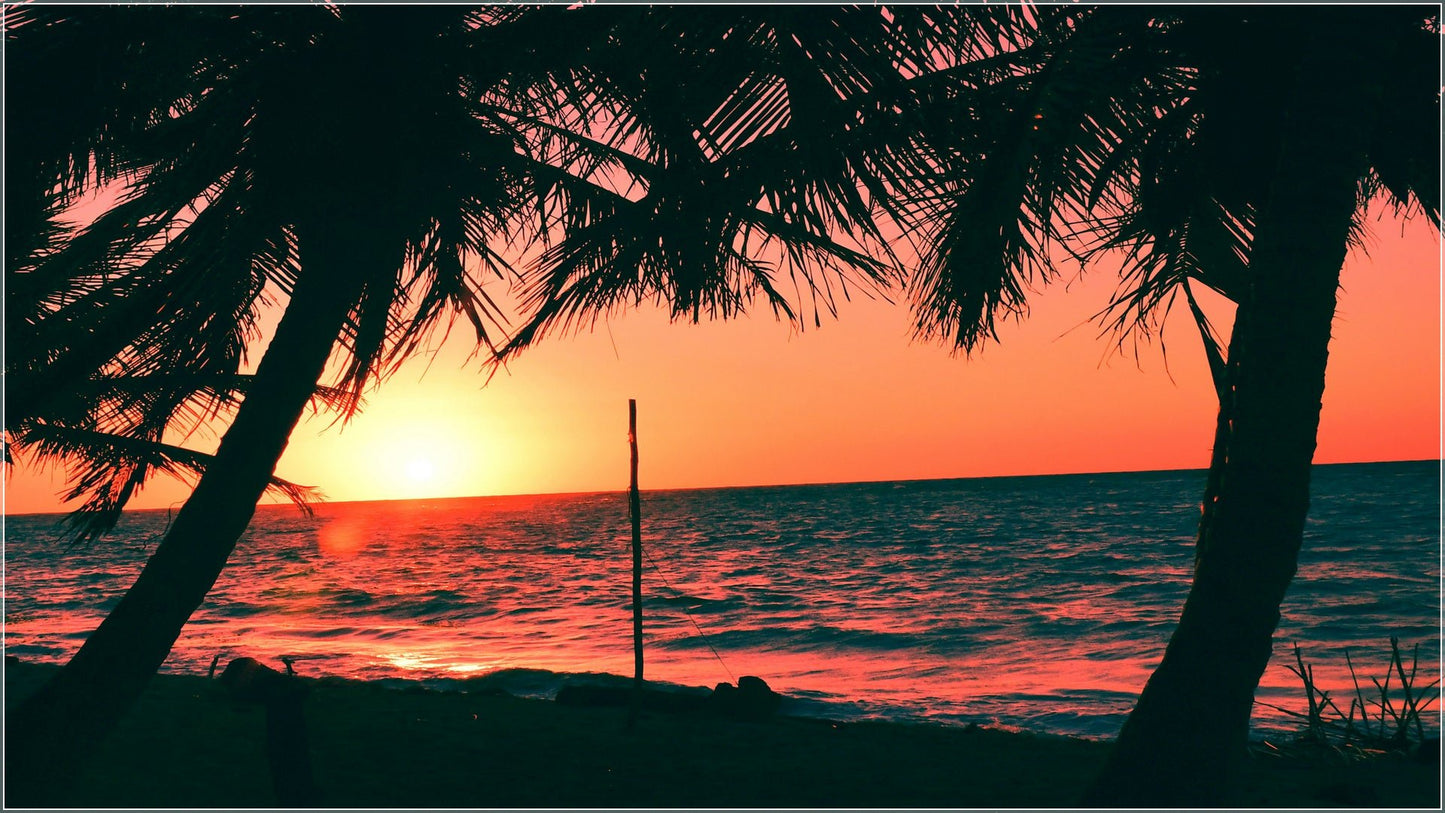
187, 744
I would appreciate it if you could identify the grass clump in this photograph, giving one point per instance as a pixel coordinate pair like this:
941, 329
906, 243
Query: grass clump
1385, 720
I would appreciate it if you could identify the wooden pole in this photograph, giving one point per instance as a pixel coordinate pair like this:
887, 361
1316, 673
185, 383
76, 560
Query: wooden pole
635, 500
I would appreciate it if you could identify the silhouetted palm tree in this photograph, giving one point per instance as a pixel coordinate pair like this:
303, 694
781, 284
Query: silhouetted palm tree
357, 160
294, 148
1202, 145
1235, 147
1225, 147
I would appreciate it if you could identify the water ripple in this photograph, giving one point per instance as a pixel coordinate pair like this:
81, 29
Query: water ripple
1043, 602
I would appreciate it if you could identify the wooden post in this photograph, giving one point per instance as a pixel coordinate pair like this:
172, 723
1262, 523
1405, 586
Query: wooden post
635, 500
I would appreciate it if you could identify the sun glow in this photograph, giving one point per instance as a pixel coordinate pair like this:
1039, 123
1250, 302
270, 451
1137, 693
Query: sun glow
748, 402
405, 445
420, 462
420, 470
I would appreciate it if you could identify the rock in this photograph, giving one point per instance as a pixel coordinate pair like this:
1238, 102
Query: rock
250, 681
751, 686
751, 699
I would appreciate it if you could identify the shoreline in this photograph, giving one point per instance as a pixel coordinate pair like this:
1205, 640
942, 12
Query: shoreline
186, 743
1274, 724
536, 683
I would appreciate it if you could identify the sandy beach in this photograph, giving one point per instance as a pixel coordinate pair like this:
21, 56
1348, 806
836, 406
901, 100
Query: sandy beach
187, 743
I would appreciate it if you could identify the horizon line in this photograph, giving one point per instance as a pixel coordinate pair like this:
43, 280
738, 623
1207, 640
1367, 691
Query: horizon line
323, 501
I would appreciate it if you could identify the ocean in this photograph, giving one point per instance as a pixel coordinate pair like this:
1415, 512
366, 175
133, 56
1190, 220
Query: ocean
1034, 603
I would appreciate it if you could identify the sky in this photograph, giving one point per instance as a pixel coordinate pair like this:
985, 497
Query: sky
758, 402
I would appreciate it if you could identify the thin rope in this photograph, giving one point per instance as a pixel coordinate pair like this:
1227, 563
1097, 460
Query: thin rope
700, 633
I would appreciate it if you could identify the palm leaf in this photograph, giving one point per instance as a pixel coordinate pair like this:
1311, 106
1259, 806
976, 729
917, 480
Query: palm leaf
107, 469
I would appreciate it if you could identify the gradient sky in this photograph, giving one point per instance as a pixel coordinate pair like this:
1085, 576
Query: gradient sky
755, 402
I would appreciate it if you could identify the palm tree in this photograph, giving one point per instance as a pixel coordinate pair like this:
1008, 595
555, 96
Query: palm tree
1216, 146
357, 160
1175, 138
250, 159
1235, 148
1082, 131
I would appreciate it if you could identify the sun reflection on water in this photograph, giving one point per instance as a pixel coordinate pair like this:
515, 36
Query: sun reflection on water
407, 661
341, 538
1006, 602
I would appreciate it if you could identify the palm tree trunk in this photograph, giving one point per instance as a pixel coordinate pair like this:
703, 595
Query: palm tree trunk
1223, 373
1184, 741
50, 732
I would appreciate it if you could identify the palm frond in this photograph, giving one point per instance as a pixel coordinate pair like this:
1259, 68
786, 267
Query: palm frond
1405, 153
107, 469
1030, 151
768, 155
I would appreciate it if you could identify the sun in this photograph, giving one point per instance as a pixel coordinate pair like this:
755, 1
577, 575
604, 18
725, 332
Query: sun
420, 470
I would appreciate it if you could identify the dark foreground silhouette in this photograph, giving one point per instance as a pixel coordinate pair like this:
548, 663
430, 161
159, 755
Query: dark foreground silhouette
189, 744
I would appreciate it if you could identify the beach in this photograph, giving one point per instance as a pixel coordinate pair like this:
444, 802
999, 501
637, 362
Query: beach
188, 743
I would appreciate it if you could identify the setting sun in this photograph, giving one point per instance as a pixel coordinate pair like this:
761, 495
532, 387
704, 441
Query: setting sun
420, 470
422, 461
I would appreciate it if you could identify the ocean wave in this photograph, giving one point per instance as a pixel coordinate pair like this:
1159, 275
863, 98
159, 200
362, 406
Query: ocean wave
869, 599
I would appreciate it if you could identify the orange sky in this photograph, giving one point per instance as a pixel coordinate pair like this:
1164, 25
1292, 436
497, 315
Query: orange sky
754, 402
